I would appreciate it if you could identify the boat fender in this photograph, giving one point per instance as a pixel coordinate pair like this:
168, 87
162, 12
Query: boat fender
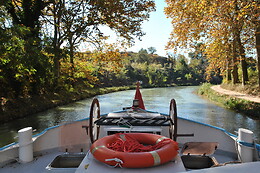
25, 145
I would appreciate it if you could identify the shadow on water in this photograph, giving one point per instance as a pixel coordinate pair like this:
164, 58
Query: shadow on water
189, 105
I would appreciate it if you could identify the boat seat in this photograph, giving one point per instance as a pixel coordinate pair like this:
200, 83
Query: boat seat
196, 155
199, 148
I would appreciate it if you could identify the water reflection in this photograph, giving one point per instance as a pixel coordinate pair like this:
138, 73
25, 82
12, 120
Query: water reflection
189, 106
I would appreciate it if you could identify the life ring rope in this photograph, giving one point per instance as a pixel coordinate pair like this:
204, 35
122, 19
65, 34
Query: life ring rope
118, 161
126, 143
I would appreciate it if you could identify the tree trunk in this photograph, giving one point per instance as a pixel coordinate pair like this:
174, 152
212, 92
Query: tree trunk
57, 41
234, 64
229, 77
56, 69
258, 51
238, 49
235, 74
241, 52
56, 53
71, 54
244, 72
242, 60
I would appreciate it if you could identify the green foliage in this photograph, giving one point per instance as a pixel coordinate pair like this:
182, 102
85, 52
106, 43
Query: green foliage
24, 68
154, 70
181, 64
188, 76
235, 104
204, 89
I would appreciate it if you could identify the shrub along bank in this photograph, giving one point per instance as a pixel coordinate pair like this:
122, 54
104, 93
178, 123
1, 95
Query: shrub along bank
248, 108
21, 107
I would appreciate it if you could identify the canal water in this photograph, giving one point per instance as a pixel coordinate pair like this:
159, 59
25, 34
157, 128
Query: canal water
189, 105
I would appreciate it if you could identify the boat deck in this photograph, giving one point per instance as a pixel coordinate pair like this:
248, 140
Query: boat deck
89, 164
37, 165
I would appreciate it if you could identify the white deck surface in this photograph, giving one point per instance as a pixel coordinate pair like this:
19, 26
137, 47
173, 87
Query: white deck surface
98, 167
252, 167
36, 166
39, 164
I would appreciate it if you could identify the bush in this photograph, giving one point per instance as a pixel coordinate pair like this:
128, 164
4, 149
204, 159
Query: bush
240, 105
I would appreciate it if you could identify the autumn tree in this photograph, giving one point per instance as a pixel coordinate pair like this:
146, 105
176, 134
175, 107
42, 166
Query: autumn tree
75, 21
217, 22
254, 19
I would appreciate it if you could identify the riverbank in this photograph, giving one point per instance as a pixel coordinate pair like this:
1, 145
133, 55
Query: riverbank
12, 109
246, 104
235, 94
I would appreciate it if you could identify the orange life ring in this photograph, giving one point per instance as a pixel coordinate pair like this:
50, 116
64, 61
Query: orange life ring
166, 153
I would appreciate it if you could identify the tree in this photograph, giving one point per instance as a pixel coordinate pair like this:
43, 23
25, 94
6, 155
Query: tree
143, 51
198, 61
27, 68
27, 45
258, 51
26, 12
75, 21
152, 50
216, 22
254, 9
182, 64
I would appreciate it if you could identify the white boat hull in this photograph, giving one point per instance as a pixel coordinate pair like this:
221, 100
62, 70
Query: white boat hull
72, 138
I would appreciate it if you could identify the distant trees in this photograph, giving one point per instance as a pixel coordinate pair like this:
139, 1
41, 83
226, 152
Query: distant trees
152, 50
155, 70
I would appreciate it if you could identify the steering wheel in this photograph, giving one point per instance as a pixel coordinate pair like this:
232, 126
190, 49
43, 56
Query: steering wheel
94, 115
173, 116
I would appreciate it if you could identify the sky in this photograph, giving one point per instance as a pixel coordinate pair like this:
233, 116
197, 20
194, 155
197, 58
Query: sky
157, 30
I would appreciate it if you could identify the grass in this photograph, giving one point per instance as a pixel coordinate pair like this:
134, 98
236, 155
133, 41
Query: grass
248, 108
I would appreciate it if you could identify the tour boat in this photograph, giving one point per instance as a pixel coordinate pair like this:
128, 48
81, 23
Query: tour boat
131, 140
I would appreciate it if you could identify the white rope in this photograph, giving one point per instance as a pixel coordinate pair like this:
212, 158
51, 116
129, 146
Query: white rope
123, 122
238, 153
119, 162
148, 119
257, 153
